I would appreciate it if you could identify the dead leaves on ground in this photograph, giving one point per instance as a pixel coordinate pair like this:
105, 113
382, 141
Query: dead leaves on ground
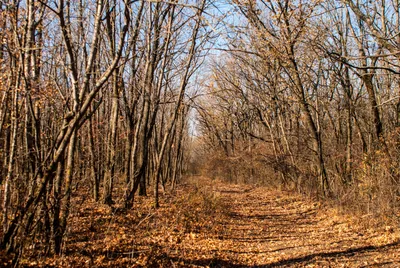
212, 224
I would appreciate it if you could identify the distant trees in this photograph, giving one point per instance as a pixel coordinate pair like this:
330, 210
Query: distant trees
92, 93
310, 88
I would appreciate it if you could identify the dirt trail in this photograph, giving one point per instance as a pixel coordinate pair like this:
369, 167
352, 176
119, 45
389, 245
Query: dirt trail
266, 228
214, 224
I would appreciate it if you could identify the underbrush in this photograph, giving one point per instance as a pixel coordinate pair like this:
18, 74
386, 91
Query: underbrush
101, 236
374, 192
201, 206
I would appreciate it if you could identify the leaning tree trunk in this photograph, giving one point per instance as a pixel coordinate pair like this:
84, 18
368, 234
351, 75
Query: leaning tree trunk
179, 105
317, 137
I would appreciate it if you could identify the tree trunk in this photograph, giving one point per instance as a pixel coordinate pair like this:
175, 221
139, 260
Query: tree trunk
93, 168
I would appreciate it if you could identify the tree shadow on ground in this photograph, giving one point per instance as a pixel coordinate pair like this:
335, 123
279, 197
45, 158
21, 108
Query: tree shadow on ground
302, 260
333, 254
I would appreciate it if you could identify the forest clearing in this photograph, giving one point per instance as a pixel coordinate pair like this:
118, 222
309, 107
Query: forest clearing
216, 224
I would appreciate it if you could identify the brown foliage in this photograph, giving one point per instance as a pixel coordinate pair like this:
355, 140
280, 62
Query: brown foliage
209, 223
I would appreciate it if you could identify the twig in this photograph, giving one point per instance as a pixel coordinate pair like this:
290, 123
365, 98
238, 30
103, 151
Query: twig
147, 217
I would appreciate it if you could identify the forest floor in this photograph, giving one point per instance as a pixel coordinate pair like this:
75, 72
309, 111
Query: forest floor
214, 224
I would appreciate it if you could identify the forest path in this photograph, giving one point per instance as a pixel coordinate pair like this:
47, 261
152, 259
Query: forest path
267, 228
209, 223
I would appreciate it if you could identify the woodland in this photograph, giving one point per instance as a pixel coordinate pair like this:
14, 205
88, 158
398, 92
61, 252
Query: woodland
199, 133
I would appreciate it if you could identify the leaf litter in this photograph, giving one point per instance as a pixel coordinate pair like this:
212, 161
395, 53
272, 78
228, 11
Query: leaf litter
209, 223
